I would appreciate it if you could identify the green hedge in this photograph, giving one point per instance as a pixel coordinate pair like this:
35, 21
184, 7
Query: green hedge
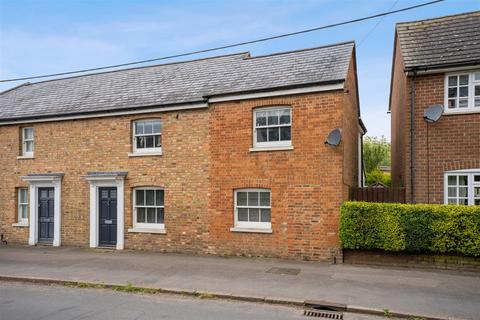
411, 227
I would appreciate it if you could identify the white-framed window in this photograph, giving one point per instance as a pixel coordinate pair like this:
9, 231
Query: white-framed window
148, 208
272, 127
462, 187
462, 92
253, 208
27, 142
147, 136
22, 205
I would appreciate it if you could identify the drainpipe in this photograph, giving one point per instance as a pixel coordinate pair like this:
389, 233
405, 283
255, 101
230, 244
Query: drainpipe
412, 138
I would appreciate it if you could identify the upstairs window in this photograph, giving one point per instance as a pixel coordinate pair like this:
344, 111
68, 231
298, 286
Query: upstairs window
463, 188
147, 136
272, 127
27, 142
22, 205
253, 208
462, 92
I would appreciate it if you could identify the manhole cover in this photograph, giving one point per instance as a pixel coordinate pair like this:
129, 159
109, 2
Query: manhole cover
289, 271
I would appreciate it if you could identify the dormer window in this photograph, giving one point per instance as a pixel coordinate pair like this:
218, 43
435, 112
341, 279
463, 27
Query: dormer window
462, 92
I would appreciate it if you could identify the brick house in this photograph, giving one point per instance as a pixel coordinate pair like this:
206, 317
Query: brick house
222, 155
437, 62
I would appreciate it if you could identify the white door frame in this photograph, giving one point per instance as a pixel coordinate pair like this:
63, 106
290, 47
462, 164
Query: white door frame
106, 179
48, 180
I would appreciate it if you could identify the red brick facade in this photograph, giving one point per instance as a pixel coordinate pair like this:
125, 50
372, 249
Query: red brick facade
205, 158
453, 141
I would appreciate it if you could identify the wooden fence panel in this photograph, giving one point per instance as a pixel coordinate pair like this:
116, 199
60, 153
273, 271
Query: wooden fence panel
376, 194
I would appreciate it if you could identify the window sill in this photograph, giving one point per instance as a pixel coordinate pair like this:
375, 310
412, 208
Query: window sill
20, 224
146, 154
25, 157
147, 230
250, 230
257, 149
469, 111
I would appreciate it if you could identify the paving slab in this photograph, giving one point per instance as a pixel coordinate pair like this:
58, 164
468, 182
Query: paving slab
433, 293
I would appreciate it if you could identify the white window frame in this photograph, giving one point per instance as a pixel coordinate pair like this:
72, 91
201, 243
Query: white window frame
472, 82
146, 226
25, 140
248, 224
471, 184
145, 151
22, 204
271, 144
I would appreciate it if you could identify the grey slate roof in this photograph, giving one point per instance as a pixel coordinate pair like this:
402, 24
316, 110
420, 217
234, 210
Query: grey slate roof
439, 42
176, 83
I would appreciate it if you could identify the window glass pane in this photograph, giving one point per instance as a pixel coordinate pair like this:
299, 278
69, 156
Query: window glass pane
150, 194
463, 103
140, 142
29, 146
241, 198
463, 201
104, 194
151, 215
261, 118
477, 102
476, 202
452, 191
476, 192
452, 92
273, 134
477, 76
253, 198
158, 141
149, 141
452, 80
462, 192
477, 90
148, 127
463, 91
285, 116
141, 215
452, 103
463, 180
262, 135
265, 199
139, 127
160, 215
156, 126
253, 215
24, 211
242, 214
140, 197
272, 117
452, 180
285, 134
159, 197
452, 201
476, 178
23, 195
463, 79
265, 215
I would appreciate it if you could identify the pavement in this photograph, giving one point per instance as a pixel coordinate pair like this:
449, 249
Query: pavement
434, 294
64, 303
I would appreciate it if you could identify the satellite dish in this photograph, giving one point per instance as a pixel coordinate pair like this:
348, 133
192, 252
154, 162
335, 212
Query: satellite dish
334, 137
433, 113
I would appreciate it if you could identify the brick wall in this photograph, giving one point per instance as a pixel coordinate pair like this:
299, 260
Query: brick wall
453, 141
205, 158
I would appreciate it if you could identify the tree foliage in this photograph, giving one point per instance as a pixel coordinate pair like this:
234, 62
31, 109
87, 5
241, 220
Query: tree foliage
376, 153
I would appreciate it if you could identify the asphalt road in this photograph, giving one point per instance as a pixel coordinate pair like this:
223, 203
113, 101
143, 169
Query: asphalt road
24, 301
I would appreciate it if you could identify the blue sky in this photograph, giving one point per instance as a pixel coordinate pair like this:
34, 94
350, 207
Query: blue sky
38, 37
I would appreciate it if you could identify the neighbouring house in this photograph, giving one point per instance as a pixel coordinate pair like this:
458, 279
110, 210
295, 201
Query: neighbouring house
437, 62
222, 155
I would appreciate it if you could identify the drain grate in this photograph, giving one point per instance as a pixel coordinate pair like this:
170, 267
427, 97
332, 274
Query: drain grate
323, 314
289, 271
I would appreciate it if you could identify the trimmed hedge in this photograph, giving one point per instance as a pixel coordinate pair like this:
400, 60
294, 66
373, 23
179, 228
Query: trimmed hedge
411, 227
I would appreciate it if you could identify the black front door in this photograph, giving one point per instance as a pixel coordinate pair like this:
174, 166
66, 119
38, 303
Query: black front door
108, 216
45, 214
